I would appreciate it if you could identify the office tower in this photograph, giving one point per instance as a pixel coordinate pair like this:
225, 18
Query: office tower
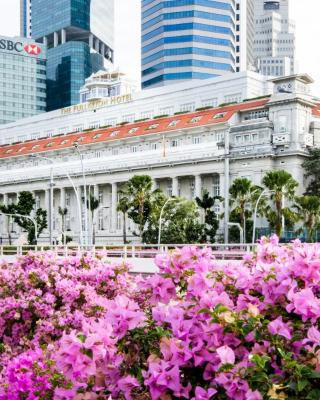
22, 78
244, 35
274, 44
25, 18
188, 39
79, 37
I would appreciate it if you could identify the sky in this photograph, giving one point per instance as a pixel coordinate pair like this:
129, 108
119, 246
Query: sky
127, 34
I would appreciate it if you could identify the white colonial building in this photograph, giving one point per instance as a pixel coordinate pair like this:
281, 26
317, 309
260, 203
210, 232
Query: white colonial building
183, 152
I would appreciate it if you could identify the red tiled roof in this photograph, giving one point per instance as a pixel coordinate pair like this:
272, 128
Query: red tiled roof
162, 125
316, 110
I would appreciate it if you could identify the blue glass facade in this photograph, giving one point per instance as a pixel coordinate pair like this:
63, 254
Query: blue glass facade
186, 39
68, 66
79, 36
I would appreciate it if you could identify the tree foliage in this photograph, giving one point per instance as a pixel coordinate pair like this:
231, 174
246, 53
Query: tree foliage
308, 208
282, 188
312, 168
211, 221
25, 206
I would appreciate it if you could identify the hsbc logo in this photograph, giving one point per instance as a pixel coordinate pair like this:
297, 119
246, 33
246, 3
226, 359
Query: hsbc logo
32, 49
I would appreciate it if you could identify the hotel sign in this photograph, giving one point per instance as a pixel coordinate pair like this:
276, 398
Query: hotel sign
93, 105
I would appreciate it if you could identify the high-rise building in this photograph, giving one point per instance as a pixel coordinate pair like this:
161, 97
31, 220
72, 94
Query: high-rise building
274, 40
189, 39
25, 18
244, 35
22, 78
79, 37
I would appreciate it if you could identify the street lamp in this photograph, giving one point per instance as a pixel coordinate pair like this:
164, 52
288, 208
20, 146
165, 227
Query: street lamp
161, 213
240, 230
27, 217
256, 210
76, 146
51, 184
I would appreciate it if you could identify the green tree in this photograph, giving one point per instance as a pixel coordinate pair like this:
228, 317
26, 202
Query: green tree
25, 206
282, 187
308, 208
243, 197
211, 221
138, 190
179, 222
312, 168
92, 206
9, 209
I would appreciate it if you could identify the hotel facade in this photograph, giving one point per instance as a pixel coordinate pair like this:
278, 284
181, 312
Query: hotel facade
187, 137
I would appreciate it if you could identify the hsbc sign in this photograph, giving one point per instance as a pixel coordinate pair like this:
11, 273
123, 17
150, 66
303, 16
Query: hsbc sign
19, 47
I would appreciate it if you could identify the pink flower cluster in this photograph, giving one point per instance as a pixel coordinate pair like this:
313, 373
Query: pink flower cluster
79, 328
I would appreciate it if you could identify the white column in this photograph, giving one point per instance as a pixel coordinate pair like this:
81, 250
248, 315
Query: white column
97, 45
197, 186
45, 40
63, 36
55, 39
5, 199
175, 186
114, 201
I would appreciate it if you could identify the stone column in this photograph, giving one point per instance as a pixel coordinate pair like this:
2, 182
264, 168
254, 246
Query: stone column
45, 40
197, 186
96, 192
5, 199
175, 186
114, 201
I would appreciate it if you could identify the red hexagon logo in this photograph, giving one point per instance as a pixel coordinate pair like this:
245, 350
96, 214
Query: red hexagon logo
32, 49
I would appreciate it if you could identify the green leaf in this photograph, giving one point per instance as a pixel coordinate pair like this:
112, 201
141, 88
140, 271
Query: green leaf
301, 385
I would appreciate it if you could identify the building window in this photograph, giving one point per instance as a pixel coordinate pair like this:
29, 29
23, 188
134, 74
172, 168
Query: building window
68, 199
133, 130
166, 110
100, 195
173, 123
134, 149
216, 185
174, 143
233, 98
153, 146
128, 118
196, 140
100, 220
169, 189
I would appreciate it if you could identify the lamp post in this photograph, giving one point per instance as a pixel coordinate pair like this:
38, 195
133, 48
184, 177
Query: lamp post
256, 210
161, 213
27, 217
240, 230
76, 146
51, 184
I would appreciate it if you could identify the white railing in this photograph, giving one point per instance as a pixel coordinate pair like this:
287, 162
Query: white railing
220, 251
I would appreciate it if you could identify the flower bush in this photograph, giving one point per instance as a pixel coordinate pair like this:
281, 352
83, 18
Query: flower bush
80, 328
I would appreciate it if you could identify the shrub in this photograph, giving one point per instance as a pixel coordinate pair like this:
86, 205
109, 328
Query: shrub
78, 328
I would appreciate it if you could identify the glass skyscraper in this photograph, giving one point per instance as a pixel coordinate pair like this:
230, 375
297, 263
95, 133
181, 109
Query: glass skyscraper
22, 78
187, 39
79, 38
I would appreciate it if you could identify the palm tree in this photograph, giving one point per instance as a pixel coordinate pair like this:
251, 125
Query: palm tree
282, 186
308, 208
123, 207
92, 205
210, 217
243, 195
139, 193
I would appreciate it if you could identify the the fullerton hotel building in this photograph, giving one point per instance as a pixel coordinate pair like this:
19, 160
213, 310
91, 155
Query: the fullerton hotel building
187, 137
